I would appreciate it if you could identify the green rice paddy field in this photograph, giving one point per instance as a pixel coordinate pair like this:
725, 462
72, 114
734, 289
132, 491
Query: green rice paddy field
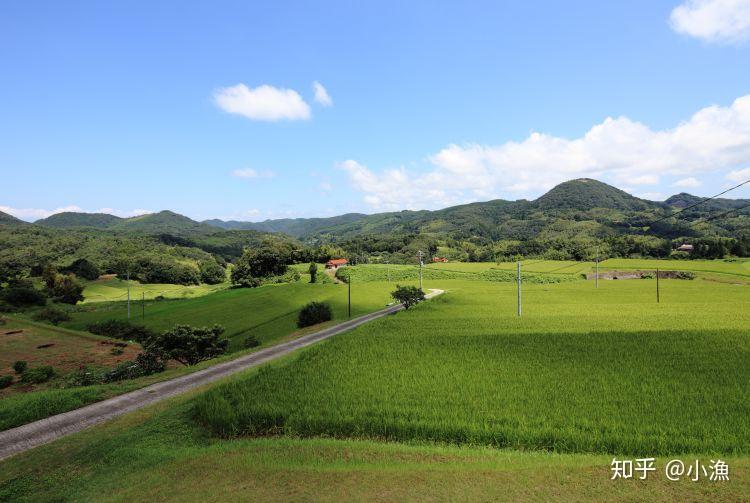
583, 370
458, 398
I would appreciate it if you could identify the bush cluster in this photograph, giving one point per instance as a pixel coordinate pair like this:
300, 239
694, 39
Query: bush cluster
52, 315
314, 313
38, 375
121, 329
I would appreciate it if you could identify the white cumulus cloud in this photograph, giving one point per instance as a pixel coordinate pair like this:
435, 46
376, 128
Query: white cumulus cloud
252, 173
263, 103
739, 175
713, 20
687, 183
321, 95
619, 150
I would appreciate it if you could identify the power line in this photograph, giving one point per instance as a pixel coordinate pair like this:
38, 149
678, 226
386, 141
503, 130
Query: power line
698, 203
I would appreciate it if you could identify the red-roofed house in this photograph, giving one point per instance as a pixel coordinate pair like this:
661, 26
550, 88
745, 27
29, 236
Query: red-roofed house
336, 263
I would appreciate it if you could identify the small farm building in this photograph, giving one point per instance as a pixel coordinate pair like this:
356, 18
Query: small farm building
336, 263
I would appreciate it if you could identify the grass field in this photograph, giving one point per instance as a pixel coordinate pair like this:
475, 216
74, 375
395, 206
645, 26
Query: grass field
583, 370
456, 399
159, 453
268, 312
529, 266
110, 289
738, 267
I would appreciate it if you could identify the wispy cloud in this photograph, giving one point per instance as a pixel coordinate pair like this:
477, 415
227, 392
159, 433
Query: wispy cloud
252, 173
687, 183
726, 21
618, 149
263, 103
321, 95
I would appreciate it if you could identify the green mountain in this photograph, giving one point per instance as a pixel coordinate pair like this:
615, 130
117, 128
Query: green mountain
164, 222
292, 226
6, 219
586, 194
70, 220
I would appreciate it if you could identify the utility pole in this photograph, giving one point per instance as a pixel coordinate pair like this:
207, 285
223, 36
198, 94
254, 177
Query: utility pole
388, 268
596, 280
420, 254
349, 282
657, 285
518, 265
128, 276
143, 306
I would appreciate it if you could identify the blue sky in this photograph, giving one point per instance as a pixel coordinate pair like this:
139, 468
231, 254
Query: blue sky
209, 109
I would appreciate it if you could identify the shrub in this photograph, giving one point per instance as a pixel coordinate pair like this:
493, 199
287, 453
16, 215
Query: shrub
145, 364
189, 345
20, 366
251, 342
212, 273
52, 314
313, 269
121, 329
5, 381
314, 313
85, 376
38, 375
23, 296
408, 295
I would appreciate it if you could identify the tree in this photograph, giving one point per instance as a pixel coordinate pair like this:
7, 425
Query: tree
49, 274
313, 272
268, 260
189, 345
67, 289
84, 269
212, 273
408, 295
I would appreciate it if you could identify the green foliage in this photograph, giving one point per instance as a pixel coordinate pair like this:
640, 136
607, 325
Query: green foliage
251, 342
146, 363
20, 366
408, 295
52, 315
271, 259
83, 268
212, 273
67, 289
22, 296
154, 269
313, 270
5, 381
314, 313
38, 375
121, 329
189, 345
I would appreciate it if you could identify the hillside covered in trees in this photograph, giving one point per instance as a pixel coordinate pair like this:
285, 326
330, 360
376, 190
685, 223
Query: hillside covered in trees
571, 221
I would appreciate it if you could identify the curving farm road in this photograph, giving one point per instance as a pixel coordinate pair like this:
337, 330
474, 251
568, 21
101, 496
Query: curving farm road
46, 430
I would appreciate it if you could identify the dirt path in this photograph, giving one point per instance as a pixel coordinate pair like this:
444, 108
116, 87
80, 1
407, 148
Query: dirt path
46, 430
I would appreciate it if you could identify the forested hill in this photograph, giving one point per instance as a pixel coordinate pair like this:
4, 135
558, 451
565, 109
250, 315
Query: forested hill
164, 222
10, 219
577, 207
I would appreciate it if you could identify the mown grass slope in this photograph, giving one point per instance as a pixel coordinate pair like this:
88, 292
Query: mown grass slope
583, 370
268, 312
